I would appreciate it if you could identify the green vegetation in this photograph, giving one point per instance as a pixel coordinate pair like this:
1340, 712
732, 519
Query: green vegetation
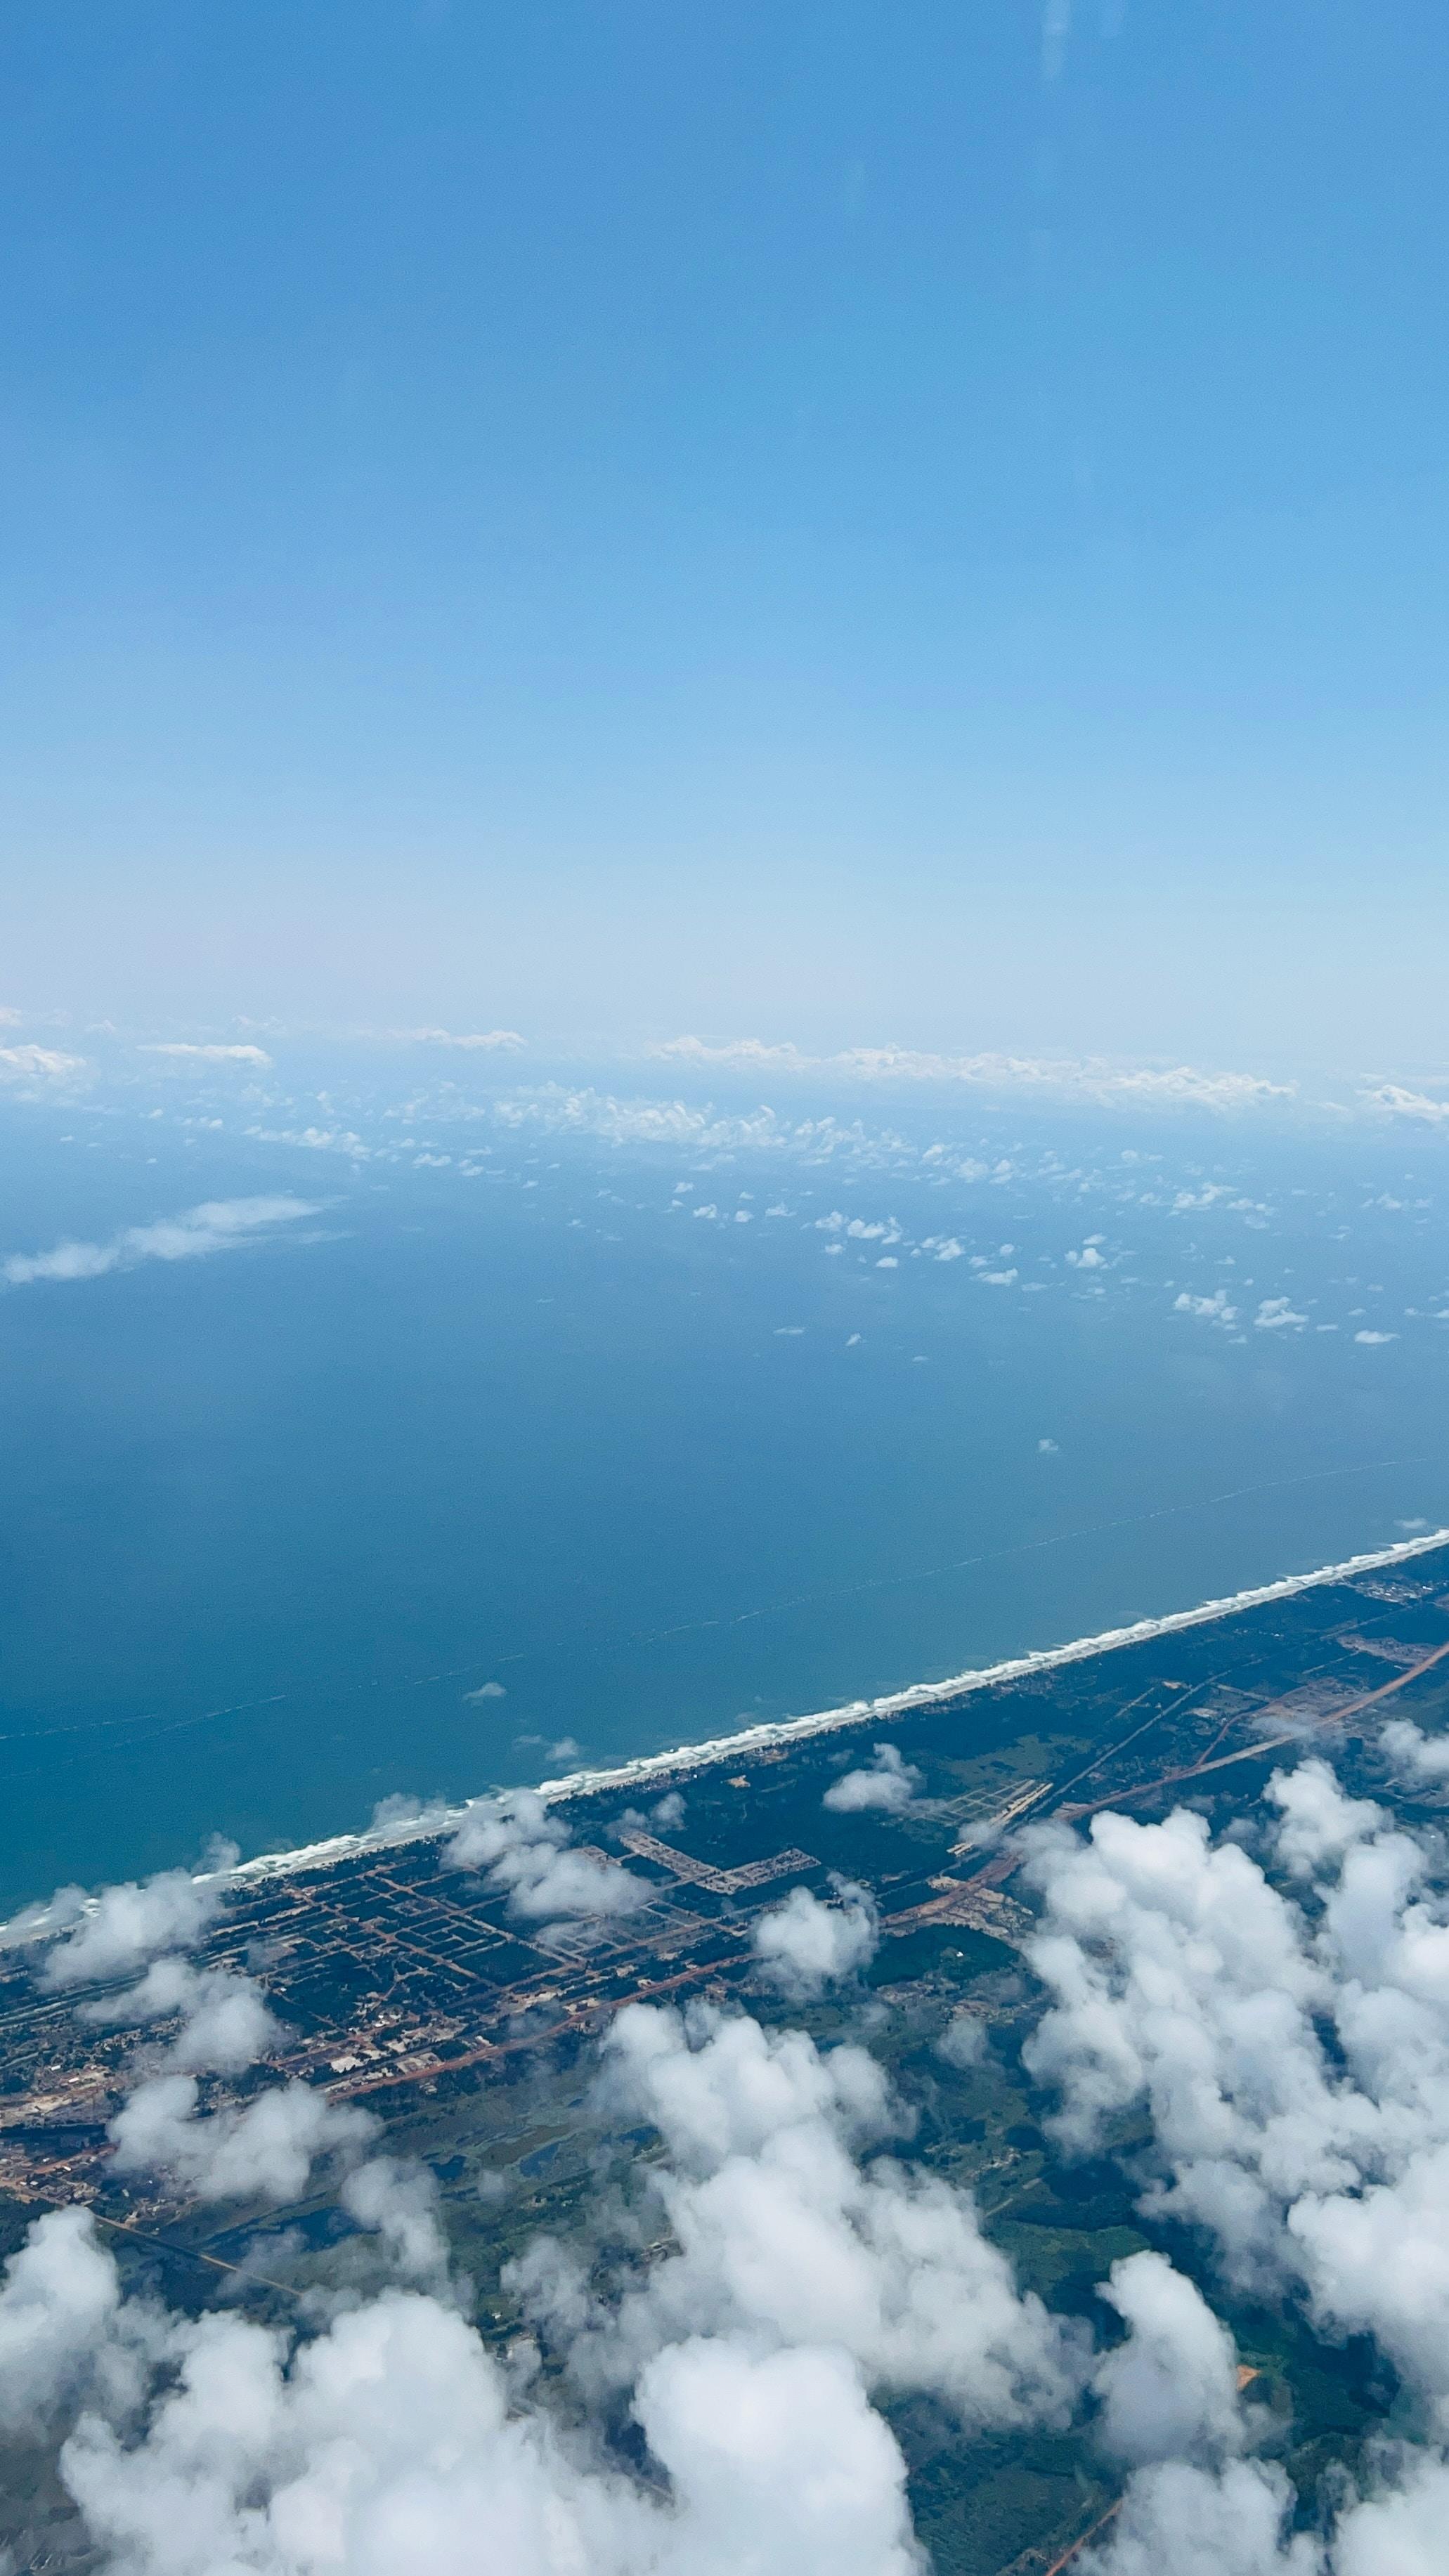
410, 1984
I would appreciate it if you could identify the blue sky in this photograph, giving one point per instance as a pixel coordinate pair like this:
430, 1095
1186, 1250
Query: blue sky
854, 524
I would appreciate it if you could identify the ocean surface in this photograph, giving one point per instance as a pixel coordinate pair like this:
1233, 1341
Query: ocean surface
486, 1459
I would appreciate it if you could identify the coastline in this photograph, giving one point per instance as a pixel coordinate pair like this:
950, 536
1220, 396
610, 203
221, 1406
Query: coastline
433, 1822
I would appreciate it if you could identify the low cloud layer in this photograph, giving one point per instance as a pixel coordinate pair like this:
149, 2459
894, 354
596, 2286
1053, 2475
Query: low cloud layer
803, 1946
1293, 2053
127, 1926
810, 2276
1284, 2022
265, 2151
791, 2234
225, 2022
884, 1786
1414, 1755
523, 1847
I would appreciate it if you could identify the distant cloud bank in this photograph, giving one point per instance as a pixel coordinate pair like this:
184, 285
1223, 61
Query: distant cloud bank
1416, 1097
1089, 1078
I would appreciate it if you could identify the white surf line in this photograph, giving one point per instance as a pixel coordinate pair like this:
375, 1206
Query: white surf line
431, 1823
770, 1732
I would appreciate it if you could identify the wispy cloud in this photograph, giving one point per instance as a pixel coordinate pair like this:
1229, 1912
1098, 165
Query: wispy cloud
218, 1225
255, 1056
1056, 30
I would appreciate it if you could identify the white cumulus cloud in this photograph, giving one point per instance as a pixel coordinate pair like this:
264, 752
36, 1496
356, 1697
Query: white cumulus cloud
1213, 1309
524, 1848
887, 1784
803, 1945
1413, 1753
1293, 2056
800, 2278
127, 1926
1276, 1315
787, 2237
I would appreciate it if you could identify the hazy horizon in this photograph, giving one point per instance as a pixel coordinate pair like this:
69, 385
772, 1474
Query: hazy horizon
849, 529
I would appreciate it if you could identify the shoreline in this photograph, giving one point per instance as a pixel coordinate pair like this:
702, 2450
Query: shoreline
431, 1823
